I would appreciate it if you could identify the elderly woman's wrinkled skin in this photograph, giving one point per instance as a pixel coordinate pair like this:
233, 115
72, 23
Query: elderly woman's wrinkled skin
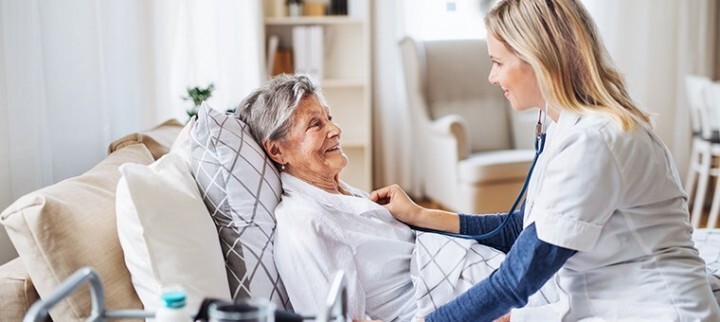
311, 149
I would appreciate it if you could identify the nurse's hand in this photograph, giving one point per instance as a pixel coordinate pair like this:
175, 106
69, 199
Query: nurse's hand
394, 199
504, 318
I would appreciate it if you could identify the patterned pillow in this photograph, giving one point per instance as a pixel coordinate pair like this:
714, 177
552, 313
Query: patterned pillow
240, 187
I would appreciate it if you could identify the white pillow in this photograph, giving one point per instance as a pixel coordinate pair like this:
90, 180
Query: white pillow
166, 233
181, 145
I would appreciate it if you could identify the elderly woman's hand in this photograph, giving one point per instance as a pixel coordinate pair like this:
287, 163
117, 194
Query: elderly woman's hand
394, 199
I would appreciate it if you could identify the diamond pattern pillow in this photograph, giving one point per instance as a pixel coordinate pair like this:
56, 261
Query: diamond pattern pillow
240, 187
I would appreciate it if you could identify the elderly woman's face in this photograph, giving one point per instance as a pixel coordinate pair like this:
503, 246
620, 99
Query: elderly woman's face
312, 146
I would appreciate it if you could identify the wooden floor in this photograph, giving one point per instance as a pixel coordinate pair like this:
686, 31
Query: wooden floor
705, 215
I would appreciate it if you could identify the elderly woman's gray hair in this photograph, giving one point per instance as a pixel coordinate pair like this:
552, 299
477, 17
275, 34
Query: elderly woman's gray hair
268, 110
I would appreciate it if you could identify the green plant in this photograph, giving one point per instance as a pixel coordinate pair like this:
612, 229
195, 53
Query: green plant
197, 95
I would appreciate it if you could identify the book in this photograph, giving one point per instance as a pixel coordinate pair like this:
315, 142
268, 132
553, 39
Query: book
273, 42
299, 43
283, 62
308, 51
338, 7
315, 57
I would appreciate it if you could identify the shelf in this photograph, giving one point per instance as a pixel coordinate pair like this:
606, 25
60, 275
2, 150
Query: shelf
320, 20
346, 76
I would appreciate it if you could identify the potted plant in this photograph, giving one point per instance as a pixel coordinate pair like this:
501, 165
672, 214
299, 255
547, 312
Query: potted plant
197, 95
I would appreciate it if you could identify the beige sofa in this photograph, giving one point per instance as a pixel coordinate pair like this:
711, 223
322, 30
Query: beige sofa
71, 224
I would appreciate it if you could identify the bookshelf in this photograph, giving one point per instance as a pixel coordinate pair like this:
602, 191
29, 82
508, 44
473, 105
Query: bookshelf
345, 76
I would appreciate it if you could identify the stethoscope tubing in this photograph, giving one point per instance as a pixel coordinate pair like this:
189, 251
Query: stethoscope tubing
539, 147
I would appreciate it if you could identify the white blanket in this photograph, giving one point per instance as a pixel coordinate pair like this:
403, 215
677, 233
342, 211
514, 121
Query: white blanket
707, 242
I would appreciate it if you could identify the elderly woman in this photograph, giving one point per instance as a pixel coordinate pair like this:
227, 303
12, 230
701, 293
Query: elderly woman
324, 225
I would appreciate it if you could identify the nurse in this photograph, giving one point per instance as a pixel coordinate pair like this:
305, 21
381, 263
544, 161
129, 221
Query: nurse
605, 212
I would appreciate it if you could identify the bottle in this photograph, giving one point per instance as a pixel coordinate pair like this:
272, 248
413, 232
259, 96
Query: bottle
295, 8
173, 308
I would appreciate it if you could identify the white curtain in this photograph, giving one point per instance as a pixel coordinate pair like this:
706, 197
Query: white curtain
393, 144
77, 74
698, 48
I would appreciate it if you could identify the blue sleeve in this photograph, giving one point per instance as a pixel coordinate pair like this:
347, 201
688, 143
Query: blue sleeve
530, 263
502, 241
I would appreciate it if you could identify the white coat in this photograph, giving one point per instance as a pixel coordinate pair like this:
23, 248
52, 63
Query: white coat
616, 198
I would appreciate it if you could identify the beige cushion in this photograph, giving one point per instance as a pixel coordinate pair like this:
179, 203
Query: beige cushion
495, 166
158, 139
71, 224
17, 293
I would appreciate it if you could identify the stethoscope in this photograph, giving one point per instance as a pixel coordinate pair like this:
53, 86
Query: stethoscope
540, 133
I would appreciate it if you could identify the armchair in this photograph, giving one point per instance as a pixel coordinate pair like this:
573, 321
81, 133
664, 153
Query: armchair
463, 127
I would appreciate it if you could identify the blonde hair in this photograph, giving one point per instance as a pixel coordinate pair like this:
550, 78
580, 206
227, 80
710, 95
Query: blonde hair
560, 42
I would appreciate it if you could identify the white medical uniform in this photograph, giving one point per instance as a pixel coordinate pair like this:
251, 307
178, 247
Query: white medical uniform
319, 233
616, 198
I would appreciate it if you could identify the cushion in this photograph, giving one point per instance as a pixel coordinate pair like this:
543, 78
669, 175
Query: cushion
17, 293
240, 187
166, 233
158, 140
71, 224
496, 166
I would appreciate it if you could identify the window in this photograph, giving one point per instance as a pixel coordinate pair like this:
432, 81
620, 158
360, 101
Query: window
446, 19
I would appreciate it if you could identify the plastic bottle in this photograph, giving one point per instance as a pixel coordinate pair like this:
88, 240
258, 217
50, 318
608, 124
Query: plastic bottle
173, 308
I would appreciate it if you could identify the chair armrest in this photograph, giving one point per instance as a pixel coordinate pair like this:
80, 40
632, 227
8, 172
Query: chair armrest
453, 125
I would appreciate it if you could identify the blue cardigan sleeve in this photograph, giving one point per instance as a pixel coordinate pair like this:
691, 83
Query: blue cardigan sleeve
479, 224
529, 264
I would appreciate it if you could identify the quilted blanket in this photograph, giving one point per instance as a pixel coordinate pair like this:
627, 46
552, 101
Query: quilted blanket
445, 267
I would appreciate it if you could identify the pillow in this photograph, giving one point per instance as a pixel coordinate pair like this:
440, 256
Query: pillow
71, 224
166, 233
181, 145
157, 140
240, 187
14, 281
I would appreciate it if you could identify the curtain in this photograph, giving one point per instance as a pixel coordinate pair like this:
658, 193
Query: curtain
656, 43
77, 74
698, 50
393, 142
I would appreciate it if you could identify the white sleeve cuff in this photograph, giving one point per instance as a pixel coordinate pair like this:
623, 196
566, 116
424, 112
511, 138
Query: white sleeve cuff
567, 232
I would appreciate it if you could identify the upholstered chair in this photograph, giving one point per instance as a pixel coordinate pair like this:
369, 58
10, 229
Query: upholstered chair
463, 127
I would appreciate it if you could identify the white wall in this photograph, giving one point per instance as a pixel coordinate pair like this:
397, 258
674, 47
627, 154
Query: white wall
641, 37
